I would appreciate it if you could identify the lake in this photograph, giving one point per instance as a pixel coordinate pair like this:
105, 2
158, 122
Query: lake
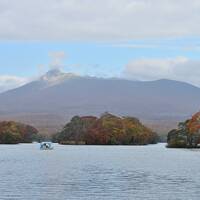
99, 172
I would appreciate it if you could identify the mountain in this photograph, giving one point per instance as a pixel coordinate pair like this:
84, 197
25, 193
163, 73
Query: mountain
54, 98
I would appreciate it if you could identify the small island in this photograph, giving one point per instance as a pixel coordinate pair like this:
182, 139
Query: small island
106, 130
187, 135
13, 133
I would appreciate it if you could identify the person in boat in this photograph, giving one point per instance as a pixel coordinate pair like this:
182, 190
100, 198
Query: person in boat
46, 145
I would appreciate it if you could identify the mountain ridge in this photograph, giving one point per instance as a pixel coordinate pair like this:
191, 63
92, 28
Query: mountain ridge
60, 96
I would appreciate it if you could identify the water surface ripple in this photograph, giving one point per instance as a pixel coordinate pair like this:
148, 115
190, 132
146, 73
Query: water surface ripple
99, 172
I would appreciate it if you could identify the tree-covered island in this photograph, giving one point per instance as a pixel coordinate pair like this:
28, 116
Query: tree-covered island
106, 130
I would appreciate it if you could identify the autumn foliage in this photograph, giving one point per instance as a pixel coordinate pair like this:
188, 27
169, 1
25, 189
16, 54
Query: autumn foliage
187, 134
14, 133
106, 130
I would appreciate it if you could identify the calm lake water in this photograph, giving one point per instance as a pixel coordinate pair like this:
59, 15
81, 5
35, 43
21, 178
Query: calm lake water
99, 172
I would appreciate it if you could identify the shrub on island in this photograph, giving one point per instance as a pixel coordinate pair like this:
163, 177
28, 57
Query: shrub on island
106, 130
187, 135
13, 133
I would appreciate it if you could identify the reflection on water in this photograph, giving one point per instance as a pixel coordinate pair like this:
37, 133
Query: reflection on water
99, 172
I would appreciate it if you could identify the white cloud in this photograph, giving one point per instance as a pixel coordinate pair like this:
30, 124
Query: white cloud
10, 82
57, 59
98, 20
179, 68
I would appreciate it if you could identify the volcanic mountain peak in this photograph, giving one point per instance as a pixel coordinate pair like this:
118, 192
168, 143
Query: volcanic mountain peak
56, 76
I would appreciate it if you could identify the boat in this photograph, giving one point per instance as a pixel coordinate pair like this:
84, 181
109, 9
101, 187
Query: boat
46, 146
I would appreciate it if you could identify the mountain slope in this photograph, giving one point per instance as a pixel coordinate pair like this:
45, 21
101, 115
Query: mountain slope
59, 96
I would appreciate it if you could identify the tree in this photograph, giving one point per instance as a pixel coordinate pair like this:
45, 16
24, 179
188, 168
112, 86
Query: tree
106, 130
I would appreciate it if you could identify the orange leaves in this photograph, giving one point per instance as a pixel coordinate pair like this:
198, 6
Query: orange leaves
193, 124
187, 135
13, 132
108, 129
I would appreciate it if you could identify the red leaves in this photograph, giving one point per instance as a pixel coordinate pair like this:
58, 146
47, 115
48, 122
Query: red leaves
106, 130
13, 132
193, 124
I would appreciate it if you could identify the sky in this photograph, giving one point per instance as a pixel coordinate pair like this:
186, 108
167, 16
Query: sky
131, 39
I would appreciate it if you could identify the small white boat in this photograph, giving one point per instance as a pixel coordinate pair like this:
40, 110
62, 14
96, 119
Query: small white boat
46, 146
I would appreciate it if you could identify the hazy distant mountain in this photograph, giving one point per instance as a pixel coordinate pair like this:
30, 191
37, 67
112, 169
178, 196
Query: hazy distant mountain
56, 96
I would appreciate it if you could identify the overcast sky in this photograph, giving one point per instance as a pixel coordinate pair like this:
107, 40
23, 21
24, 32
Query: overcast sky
134, 39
